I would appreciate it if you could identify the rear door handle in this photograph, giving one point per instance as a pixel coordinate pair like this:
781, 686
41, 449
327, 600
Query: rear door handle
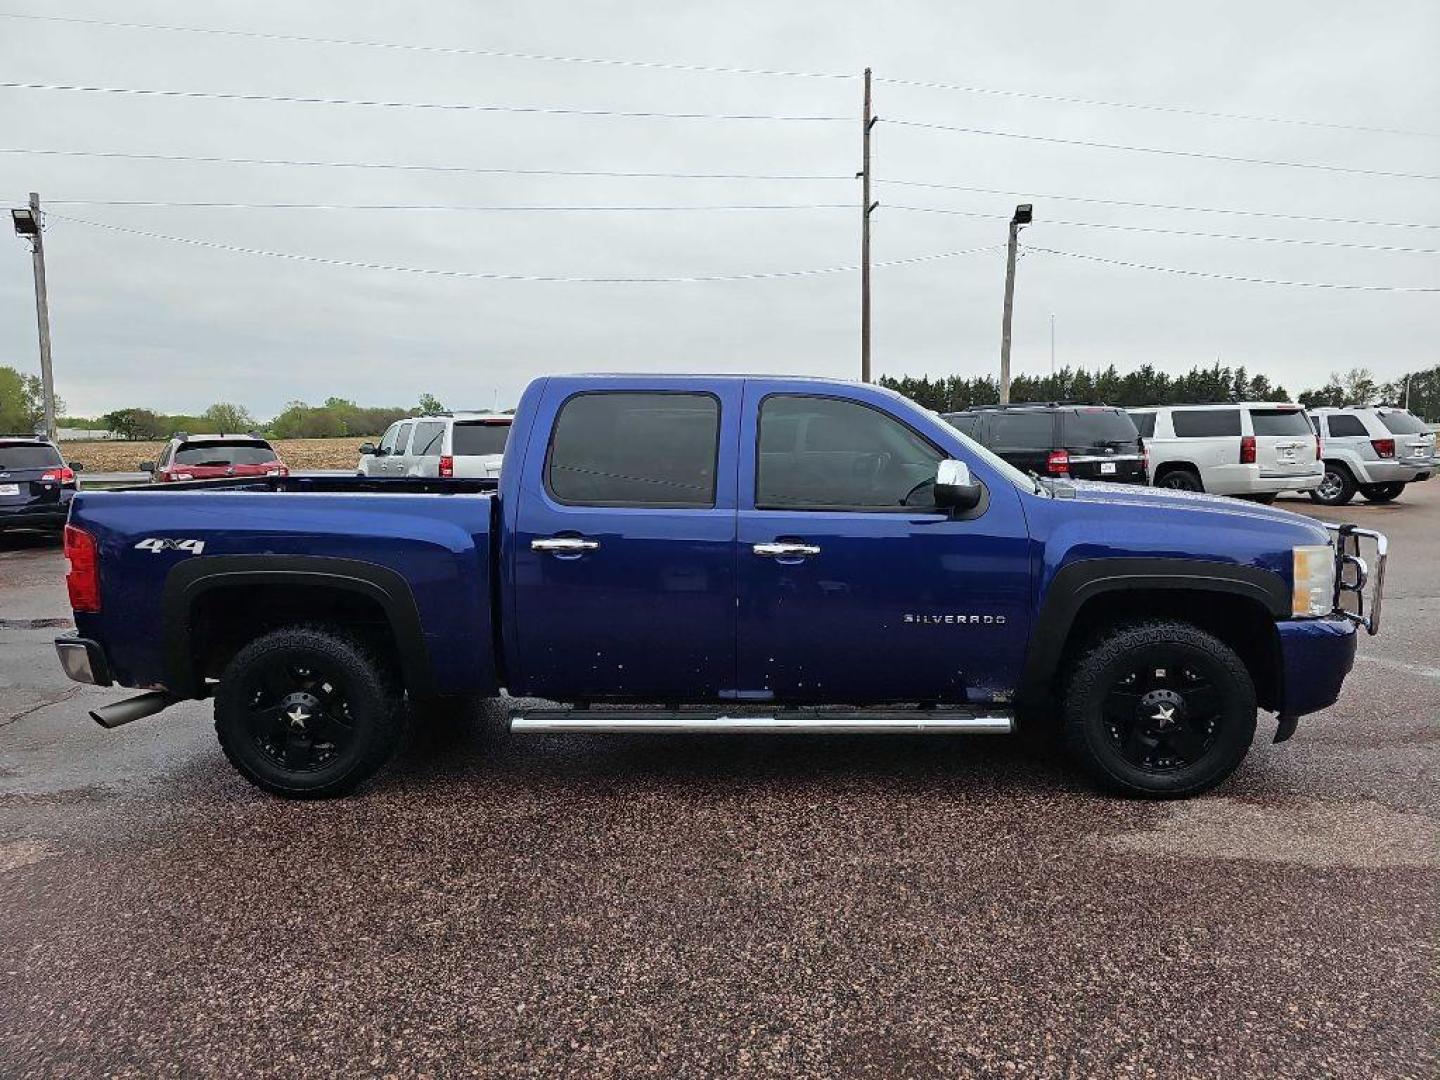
783, 550
564, 545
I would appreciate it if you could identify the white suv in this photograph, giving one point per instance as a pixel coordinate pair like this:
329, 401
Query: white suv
1375, 451
445, 445
1255, 450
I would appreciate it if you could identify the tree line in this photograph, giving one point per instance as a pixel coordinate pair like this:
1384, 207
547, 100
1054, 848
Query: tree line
1147, 385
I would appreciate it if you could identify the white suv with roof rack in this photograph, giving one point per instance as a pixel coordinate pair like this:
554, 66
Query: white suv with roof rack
1254, 450
462, 444
1375, 450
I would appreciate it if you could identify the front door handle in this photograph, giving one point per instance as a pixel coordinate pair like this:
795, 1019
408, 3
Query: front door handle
786, 550
564, 545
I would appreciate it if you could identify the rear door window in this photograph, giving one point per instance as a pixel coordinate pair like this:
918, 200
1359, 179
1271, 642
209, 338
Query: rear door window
1091, 428
647, 448
428, 436
1279, 422
1399, 422
1205, 423
402, 438
1345, 426
1144, 423
475, 440
1021, 430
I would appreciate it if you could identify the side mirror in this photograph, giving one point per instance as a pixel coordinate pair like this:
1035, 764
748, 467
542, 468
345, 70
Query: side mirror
77, 466
955, 489
147, 466
367, 449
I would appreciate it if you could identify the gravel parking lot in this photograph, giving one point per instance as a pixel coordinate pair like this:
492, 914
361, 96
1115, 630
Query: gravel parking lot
622, 906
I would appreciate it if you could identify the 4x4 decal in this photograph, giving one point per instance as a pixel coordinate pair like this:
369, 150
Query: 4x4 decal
158, 544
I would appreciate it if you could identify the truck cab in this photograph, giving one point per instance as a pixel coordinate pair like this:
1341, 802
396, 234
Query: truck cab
720, 553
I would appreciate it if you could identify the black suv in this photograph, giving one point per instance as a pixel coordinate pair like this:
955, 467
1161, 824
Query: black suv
1085, 442
36, 485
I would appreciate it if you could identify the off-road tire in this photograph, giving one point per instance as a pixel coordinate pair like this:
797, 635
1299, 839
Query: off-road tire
370, 686
1337, 488
1095, 671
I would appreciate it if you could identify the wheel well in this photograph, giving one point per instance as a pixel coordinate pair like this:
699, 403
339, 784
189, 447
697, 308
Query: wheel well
1336, 463
1174, 466
225, 619
1240, 622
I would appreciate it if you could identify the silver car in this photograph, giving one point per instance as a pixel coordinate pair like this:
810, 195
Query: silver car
466, 445
1374, 450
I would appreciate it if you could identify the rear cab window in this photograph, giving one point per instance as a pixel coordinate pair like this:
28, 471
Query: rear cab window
1280, 422
221, 452
1205, 423
17, 456
1084, 429
655, 449
478, 438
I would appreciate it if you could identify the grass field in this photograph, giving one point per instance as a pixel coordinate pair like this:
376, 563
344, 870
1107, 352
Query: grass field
107, 457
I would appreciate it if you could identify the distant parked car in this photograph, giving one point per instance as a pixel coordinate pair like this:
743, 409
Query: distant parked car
205, 457
1374, 450
1253, 450
1084, 442
464, 445
36, 485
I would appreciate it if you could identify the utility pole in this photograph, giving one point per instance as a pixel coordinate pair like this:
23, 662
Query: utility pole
1023, 215
30, 225
1052, 344
867, 121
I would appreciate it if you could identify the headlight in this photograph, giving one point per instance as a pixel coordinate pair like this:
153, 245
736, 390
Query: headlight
1314, 592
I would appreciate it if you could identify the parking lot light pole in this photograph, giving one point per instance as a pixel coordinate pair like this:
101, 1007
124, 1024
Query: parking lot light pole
1023, 215
30, 225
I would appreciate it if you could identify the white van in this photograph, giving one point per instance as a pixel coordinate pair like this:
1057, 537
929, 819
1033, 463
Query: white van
1255, 450
463, 445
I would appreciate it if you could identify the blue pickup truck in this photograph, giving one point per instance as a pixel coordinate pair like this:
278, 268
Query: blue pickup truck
718, 554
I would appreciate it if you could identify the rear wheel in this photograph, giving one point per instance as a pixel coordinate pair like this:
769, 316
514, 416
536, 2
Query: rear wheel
1180, 480
1264, 500
1159, 709
1381, 493
1336, 489
306, 712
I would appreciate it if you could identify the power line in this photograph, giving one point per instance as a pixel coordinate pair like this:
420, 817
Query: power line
1233, 159
489, 276
1182, 110
401, 167
1160, 206
1175, 232
446, 106
441, 206
1030, 95
1235, 277
494, 54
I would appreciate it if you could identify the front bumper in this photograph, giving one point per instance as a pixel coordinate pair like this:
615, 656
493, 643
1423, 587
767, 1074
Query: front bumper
1353, 575
83, 660
1315, 657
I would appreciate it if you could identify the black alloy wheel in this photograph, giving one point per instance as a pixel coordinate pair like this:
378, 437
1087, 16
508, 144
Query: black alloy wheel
1162, 715
1180, 480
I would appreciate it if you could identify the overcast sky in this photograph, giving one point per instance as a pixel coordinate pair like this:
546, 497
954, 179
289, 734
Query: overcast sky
139, 320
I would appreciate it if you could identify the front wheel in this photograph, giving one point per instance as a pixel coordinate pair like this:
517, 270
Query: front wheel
306, 712
1159, 709
1381, 493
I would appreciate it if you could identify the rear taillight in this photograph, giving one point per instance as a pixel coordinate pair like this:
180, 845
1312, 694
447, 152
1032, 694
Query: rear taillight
1144, 457
63, 475
1058, 464
447, 465
1319, 447
1384, 447
82, 580
1247, 450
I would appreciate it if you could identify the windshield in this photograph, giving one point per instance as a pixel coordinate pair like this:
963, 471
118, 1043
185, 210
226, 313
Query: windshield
1400, 422
472, 440
27, 456
1280, 422
1000, 465
1097, 427
221, 454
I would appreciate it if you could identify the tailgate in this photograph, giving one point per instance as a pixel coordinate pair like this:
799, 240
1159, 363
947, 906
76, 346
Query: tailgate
1284, 441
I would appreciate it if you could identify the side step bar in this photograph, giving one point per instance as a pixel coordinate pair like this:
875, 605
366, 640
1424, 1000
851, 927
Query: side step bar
636, 721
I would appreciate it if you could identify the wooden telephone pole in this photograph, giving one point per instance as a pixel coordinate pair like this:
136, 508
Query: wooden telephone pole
867, 121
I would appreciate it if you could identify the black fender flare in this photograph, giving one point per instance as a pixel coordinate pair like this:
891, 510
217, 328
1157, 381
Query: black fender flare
191, 579
1085, 579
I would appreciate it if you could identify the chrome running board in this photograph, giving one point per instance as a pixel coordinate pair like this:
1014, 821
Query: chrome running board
807, 722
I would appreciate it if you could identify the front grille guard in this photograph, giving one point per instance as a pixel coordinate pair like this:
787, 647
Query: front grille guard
1353, 574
